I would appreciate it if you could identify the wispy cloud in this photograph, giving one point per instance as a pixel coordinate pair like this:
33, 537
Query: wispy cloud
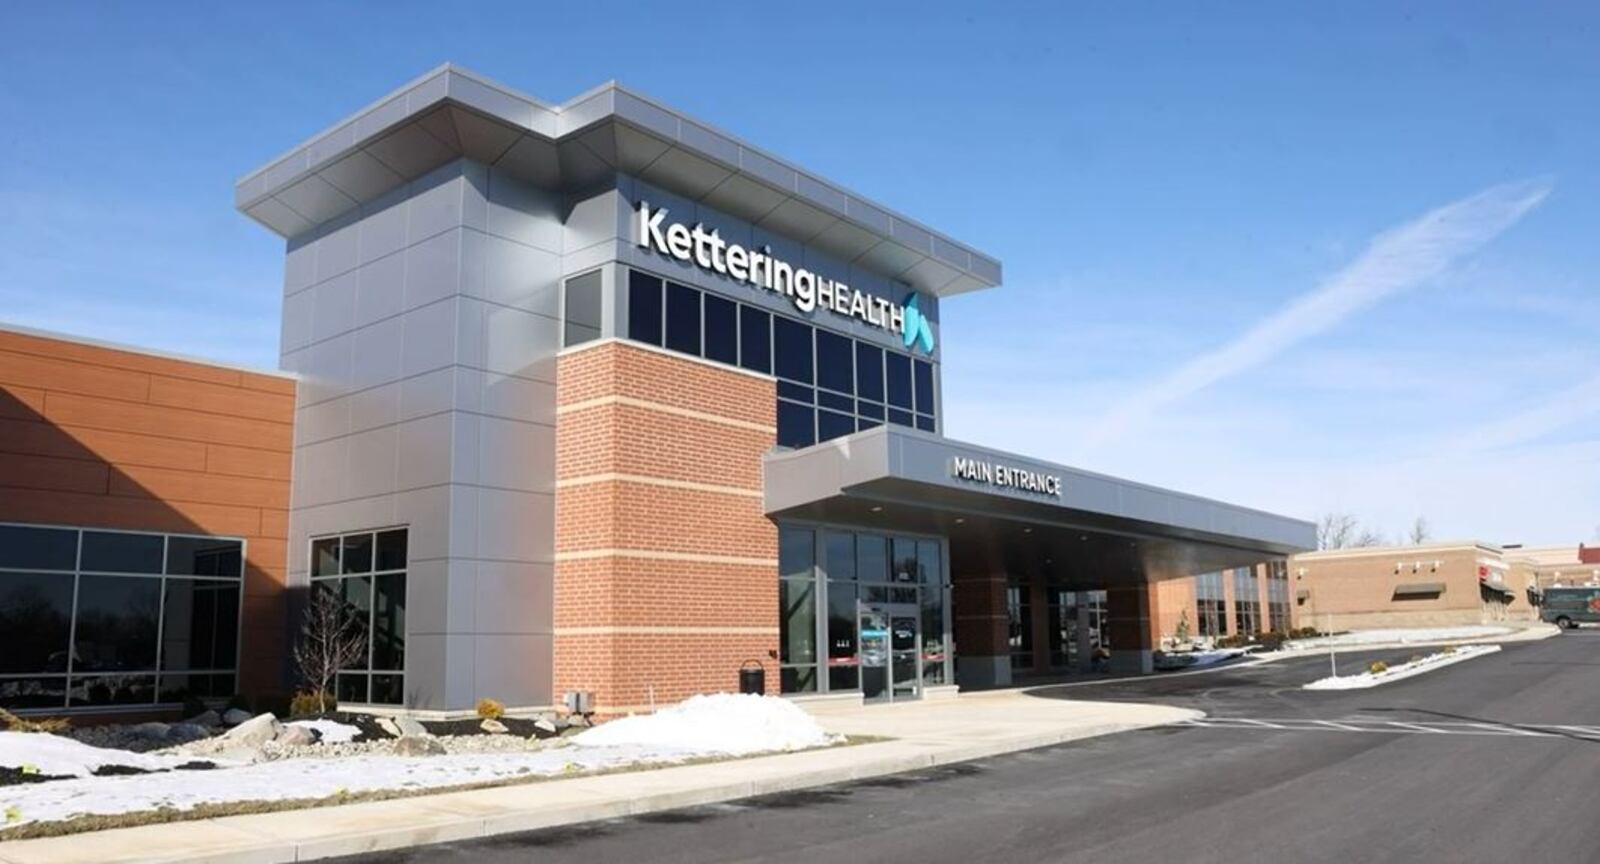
1394, 261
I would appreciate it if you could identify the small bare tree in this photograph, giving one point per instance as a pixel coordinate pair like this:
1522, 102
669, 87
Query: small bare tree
1420, 532
330, 639
1367, 537
1335, 530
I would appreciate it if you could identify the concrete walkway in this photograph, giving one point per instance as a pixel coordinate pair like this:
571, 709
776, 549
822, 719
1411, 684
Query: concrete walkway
929, 733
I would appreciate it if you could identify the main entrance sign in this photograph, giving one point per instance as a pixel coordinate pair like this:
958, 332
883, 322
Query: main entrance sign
807, 290
1005, 476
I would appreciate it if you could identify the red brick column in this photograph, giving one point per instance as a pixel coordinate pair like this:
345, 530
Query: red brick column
983, 650
666, 565
1131, 628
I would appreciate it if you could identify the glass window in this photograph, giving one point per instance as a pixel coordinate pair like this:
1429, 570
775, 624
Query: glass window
839, 555
923, 380
795, 553
898, 376
899, 418
200, 625
357, 554
33, 692
798, 679
797, 620
325, 557
112, 690
388, 689
792, 349
755, 339
796, 425
116, 623
843, 664
391, 550
1020, 626
683, 319
25, 548
122, 553
836, 368
204, 556
831, 425
35, 622
351, 687
870, 409
872, 557
796, 392
905, 560
389, 621
644, 307
869, 372
722, 330
838, 403
583, 308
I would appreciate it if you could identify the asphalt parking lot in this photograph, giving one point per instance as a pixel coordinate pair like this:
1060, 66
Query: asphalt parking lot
1493, 760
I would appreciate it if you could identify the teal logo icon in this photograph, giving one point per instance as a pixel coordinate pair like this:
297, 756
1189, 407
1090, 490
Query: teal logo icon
918, 330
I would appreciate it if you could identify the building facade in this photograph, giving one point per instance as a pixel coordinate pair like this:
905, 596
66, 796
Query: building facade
594, 397
1427, 585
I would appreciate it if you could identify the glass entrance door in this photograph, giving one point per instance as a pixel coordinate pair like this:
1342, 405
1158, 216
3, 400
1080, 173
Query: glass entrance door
891, 644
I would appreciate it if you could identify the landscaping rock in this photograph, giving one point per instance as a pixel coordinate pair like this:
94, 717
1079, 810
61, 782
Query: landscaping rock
153, 730
544, 725
182, 732
492, 726
418, 745
411, 728
295, 736
389, 726
206, 718
234, 716
253, 732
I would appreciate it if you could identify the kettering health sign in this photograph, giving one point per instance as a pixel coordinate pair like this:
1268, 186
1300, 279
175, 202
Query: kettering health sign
708, 251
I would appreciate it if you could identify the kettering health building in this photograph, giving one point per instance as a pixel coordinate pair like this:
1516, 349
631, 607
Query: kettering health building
588, 397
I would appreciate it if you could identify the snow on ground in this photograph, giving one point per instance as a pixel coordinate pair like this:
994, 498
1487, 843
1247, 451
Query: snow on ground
1401, 635
1401, 671
63, 757
307, 778
717, 725
332, 731
725, 723
1214, 656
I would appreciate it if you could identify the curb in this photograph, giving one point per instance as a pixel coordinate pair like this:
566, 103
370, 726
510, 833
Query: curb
1412, 672
235, 839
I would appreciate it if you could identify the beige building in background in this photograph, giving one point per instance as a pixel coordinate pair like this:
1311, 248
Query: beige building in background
1428, 585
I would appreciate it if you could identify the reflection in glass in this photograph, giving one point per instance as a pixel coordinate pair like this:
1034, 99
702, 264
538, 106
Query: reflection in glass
201, 627
391, 550
839, 554
325, 557
797, 621
24, 548
389, 621
35, 622
204, 556
117, 620
121, 553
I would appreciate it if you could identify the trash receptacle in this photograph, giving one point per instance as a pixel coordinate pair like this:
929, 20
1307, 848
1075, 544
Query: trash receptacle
752, 677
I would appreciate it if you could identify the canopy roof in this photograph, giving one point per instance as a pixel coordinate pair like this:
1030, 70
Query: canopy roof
1092, 531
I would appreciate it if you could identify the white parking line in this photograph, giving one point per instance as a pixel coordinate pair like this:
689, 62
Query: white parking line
1401, 727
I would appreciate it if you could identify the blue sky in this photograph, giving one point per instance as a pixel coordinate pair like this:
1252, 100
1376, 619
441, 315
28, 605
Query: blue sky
1305, 258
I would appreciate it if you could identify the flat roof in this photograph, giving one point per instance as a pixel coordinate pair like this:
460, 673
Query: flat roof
450, 112
147, 352
1022, 513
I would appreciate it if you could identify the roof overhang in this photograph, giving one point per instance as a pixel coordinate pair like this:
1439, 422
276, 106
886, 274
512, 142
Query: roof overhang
1419, 589
1092, 531
451, 113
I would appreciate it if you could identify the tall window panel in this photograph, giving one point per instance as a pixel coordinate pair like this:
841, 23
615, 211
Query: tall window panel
365, 572
93, 617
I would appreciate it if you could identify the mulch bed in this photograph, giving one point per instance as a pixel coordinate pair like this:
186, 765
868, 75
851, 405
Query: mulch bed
367, 723
522, 727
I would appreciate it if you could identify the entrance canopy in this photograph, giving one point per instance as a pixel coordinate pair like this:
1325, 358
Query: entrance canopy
1012, 514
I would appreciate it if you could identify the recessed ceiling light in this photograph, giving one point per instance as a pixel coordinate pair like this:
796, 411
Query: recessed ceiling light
1027, 530
960, 520
877, 508
1083, 537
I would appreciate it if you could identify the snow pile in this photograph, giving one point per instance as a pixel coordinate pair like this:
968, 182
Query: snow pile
723, 723
1402, 636
1214, 656
1401, 671
54, 755
332, 731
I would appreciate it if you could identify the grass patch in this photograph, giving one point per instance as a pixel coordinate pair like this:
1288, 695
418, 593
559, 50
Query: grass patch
216, 810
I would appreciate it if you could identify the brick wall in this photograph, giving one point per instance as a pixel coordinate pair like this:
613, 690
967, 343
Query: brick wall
666, 565
98, 437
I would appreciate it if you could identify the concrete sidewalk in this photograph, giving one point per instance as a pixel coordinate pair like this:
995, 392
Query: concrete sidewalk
928, 733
